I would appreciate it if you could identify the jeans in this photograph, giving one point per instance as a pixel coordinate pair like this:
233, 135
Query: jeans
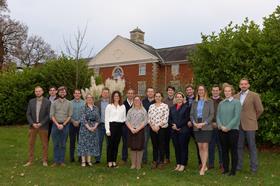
101, 135
74, 136
59, 138
250, 136
215, 141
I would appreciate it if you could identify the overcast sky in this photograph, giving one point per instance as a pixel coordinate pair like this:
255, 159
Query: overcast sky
166, 23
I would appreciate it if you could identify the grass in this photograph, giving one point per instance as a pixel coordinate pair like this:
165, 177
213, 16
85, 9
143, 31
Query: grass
13, 154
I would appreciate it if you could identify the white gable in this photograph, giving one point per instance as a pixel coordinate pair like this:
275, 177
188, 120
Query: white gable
121, 51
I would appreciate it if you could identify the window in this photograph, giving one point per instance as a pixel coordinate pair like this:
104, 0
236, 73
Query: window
117, 73
175, 69
142, 69
141, 88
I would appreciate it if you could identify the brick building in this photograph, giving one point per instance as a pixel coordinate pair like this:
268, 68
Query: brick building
143, 66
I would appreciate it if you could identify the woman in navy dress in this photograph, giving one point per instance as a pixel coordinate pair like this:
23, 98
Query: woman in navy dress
88, 137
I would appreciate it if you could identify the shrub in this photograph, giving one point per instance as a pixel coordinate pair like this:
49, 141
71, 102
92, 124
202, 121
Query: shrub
17, 86
246, 51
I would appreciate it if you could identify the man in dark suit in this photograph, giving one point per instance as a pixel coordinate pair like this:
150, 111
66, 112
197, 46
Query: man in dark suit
38, 116
52, 97
147, 102
128, 104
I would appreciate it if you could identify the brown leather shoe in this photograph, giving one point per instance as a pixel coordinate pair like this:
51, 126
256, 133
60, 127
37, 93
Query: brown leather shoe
54, 165
166, 161
154, 165
160, 166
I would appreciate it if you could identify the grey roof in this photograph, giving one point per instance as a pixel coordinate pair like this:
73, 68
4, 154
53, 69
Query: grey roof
176, 53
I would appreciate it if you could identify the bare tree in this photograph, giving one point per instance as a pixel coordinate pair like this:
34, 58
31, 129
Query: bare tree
12, 35
77, 48
3, 5
34, 51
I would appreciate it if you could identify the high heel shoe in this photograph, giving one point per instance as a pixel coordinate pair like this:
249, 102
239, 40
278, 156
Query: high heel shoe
202, 171
110, 165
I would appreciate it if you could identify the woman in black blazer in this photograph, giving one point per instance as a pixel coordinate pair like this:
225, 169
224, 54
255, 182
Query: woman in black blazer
178, 119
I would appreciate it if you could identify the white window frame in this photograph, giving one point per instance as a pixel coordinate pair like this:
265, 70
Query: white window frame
141, 88
175, 69
142, 69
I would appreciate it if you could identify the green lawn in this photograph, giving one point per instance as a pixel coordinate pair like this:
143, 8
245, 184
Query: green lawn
13, 154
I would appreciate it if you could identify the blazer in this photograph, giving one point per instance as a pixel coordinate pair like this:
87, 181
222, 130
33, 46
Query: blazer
98, 105
179, 117
44, 115
252, 109
127, 106
207, 114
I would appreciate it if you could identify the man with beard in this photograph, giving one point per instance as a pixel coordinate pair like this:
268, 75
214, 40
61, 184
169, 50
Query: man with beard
252, 109
38, 113
61, 112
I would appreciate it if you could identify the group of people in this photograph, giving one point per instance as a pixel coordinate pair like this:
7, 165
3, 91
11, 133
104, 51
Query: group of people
210, 121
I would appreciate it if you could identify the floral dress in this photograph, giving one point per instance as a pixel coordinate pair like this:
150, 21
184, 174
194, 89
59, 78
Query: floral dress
88, 141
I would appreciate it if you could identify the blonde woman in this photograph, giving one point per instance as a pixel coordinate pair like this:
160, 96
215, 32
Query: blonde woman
178, 119
136, 121
228, 120
202, 113
88, 136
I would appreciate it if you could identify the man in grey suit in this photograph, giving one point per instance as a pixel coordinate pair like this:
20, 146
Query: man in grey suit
38, 116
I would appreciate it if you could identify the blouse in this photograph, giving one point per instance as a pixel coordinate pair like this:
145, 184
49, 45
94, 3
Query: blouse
114, 114
158, 115
136, 117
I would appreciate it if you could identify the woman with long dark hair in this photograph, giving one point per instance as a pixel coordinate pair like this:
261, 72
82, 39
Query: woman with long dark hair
115, 116
158, 120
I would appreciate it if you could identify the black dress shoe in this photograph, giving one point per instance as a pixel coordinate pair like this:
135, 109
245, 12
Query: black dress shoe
72, 160
231, 174
96, 162
224, 172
